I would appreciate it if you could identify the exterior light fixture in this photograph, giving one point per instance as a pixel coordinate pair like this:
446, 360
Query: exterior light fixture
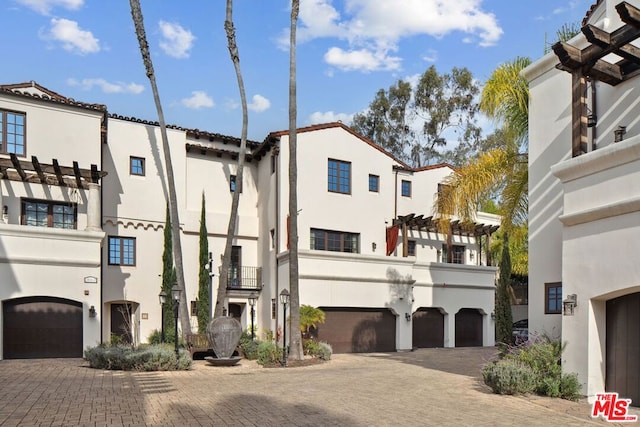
407, 316
163, 299
284, 300
618, 134
92, 311
175, 295
569, 304
252, 302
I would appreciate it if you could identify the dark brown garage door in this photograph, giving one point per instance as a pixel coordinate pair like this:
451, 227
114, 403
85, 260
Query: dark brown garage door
358, 330
468, 328
428, 328
623, 347
39, 327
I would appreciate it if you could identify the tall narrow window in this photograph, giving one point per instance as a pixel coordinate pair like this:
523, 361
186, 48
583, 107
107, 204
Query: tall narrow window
136, 166
457, 256
553, 298
406, 188
411, 247
339, 176
122, 251
12, 132
235, 269
374, 183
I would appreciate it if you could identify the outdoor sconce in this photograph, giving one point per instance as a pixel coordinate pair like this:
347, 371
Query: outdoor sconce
592, 120
373, 246
471, 256
618, 134
493, 315
5, 210
407, 316
92, 311
569, 304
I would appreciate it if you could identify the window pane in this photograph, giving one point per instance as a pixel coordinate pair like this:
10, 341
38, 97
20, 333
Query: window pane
333, 241
345, 177
114, 250
333, 175
13, 128
373, 183
128, 257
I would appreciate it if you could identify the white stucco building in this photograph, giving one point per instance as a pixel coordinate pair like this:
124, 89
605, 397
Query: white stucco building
584, 215
110, 187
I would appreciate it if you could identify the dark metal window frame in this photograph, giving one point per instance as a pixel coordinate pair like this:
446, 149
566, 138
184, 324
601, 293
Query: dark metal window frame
557, 297
133, 167
334, 170
50, 214
320, 240
4, 132
233, 183
411, 247
120, 256
405, 188
374, 183
457, 256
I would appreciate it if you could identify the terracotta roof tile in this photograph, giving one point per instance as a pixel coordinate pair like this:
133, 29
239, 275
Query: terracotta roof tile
48, 95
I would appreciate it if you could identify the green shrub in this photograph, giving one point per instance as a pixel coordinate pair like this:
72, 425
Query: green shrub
311, 347
147, 358
543, 356
509, 377
269, 353
325, 351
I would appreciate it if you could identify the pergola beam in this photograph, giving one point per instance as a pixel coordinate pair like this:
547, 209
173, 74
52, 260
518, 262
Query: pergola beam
38, 169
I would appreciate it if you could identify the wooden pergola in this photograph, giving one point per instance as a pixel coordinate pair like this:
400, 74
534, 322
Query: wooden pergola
433, 225
588, 63
73, 176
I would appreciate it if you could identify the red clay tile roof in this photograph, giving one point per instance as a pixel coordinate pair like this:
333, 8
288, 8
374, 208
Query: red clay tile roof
48, 95
366, 140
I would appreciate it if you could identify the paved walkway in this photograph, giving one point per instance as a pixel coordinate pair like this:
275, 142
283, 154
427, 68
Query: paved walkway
429, 387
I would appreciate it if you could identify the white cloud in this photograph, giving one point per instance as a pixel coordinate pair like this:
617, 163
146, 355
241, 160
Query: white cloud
44, 6
373, 28
176, 40
259, 104
328, 117
198, 99
362, 59
107, 87
73, 38
430, 56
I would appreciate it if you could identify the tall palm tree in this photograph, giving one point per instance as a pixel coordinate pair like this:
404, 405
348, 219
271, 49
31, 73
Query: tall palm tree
505, 99
136, 14
233, 216
296, 335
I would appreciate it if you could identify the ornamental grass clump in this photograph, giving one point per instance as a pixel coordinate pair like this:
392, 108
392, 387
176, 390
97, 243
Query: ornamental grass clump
143, 358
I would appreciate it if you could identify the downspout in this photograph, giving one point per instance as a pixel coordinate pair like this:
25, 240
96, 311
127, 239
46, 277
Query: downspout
103, 141
595, 116
277, 235
395, 194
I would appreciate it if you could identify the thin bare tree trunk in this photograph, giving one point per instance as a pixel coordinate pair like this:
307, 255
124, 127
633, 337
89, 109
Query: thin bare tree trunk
233, 216
136, 14
296, 335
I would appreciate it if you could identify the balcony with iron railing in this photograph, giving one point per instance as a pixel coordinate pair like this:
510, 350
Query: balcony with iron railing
240, 278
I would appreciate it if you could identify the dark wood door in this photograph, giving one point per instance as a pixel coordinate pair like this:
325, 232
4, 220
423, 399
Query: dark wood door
41, 327
428, 328
121, 322
358, 330
235, 310
468, 328
623, 347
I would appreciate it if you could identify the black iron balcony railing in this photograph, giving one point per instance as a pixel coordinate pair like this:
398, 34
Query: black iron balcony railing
240, 278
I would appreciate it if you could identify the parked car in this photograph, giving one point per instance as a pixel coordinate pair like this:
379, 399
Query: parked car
521, 331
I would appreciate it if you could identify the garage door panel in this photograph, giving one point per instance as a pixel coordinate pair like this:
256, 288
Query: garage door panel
428, 328
468, 328
623, 346
42, 327
358, 330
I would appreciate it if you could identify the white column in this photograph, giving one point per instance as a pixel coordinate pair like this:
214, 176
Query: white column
3, 217
93, 208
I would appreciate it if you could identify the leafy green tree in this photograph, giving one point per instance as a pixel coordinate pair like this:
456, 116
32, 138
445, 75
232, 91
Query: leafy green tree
310, 317
203, 274
414, 123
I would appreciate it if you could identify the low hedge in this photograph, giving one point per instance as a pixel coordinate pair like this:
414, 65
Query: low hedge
155, 357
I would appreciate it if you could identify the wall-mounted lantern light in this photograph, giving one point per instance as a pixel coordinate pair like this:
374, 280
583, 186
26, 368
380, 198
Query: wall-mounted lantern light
92, 311
569, 304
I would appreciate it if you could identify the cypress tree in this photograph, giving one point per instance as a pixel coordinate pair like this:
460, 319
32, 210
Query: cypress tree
168, 279
504, 320
203, 276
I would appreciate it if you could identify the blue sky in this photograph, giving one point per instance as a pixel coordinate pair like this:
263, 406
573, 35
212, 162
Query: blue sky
347, 50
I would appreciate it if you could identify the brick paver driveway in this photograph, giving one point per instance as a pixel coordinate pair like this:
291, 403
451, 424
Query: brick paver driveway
426, 387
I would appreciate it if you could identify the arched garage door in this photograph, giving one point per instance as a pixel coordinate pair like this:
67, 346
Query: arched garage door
358, 330
468, 328
39, 327
623, 347
428, 328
